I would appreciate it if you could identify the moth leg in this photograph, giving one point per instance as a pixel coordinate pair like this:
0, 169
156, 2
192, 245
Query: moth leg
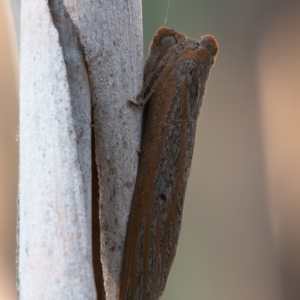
131, 103
142, 92
139, 98
145, 100
147, 83
142, 102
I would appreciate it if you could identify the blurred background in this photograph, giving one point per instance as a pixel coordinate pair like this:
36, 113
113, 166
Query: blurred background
240, 236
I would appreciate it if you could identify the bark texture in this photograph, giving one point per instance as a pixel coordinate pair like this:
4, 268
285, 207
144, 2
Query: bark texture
78, 59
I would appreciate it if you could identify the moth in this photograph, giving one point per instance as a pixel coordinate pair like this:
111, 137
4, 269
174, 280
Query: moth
175, 75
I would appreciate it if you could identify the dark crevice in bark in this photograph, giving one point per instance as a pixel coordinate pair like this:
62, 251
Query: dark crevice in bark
98, 273
78, 80
77, 76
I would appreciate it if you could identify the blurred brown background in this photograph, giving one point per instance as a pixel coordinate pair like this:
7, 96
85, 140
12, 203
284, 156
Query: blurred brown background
240, 237
8, 149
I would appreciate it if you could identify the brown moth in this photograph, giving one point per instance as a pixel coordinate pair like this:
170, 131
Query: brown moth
175, 75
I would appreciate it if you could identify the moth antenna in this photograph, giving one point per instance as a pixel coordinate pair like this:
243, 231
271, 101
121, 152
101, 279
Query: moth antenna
167, 12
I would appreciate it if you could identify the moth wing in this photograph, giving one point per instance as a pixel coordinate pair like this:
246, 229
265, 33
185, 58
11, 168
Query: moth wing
156, 212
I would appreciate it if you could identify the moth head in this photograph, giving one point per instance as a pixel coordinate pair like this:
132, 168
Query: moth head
191, 44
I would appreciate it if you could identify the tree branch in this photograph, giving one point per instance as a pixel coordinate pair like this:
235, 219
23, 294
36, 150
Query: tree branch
76, 55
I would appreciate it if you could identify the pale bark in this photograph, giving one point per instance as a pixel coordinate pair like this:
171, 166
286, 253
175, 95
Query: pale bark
79, 55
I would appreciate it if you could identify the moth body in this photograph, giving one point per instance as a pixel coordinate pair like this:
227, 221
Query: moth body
175, 76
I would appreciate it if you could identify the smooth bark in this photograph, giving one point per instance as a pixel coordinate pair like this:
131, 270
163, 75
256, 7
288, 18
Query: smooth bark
80, 63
